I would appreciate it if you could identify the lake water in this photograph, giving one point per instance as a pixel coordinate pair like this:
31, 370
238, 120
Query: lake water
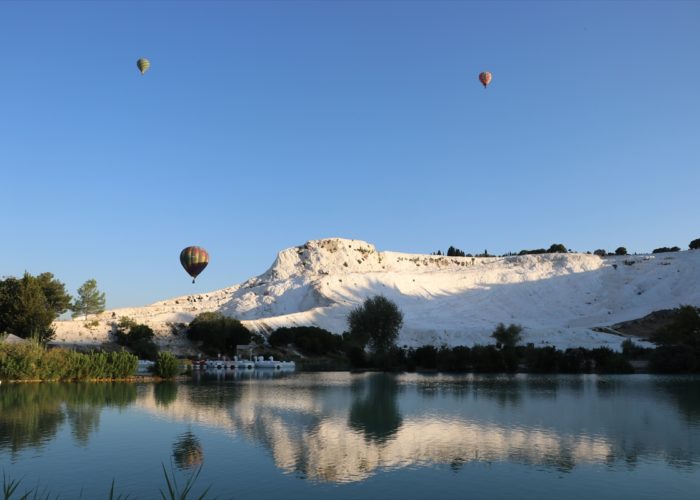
340, 435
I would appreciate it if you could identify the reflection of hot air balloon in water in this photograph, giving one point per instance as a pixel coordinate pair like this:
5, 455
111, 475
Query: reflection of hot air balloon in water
194, 260
187, 451
485, 78
143, 64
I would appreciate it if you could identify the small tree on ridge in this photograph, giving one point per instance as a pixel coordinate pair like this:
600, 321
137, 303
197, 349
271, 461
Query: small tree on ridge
89, 301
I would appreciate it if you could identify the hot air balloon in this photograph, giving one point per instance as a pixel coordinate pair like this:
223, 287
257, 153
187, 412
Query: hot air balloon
485, 78
194, 260
187, 451
143, 64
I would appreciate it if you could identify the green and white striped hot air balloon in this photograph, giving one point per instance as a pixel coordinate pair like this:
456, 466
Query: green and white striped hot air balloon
143, 64
194, 260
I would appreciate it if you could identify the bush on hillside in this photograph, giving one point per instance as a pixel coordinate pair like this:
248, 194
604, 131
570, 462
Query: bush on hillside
537, 251
507, 336
217, 334
310, 340
136, 337
600, 252
666, 249
694, 245
455, 252
683, 329
673, 359
557, 248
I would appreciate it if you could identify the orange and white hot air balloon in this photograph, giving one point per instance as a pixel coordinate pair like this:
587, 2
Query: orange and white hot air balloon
485, 78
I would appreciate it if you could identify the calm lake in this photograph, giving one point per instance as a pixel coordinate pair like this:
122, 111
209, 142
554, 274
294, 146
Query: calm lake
340, 435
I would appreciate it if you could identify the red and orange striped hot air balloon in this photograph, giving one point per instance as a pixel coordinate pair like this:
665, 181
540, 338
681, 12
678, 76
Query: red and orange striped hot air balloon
194, 260
485, 78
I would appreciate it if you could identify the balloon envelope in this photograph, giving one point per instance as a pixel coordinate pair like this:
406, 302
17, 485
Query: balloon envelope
143, 64
194, 260
485, 78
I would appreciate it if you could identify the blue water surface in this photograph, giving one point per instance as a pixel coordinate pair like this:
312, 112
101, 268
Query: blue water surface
341, 435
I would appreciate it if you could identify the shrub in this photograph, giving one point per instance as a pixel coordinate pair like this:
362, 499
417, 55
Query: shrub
666, 249
542, 360
487, 359
218, 334
167, 365
532, 252
425, 357
508, 336
574, 361
137, 337
34, 362
557, 248
694, 245
673, 359
308, 339
633, 351
609, 361
620, 251
455, 252
600, 252
683, 330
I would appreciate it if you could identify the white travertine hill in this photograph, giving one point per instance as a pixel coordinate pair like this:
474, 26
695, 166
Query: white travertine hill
557, 298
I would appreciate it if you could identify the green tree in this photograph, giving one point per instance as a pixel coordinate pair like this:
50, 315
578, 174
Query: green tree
376, 322
557, 248
30, 304
507, 336
666, 249
137, 337
55, 292
217, 334
694, 245
621, 251
90, 300
683, 330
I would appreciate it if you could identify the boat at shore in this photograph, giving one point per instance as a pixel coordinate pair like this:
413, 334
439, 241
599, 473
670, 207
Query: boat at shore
261, 362
258, 362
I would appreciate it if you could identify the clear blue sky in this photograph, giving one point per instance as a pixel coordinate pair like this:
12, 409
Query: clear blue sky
263, 125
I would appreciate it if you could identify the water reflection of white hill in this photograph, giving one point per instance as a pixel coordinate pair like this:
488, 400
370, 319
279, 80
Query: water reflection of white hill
344, 433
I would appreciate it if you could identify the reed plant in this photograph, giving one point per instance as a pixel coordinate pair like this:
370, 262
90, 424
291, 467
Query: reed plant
173, 490
32, 361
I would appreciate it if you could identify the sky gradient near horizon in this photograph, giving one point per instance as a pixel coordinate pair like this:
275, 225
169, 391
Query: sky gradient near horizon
262, 125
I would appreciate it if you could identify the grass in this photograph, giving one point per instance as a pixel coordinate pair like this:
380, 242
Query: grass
172, 491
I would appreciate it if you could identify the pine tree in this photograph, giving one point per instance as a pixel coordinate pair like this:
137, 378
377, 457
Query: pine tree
90, 300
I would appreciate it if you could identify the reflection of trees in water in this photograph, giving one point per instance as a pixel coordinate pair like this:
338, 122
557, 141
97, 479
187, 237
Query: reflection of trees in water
214, 395
28, 416
31, 414
165, 393
84, 419
377, 413
187, 451
685, 394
